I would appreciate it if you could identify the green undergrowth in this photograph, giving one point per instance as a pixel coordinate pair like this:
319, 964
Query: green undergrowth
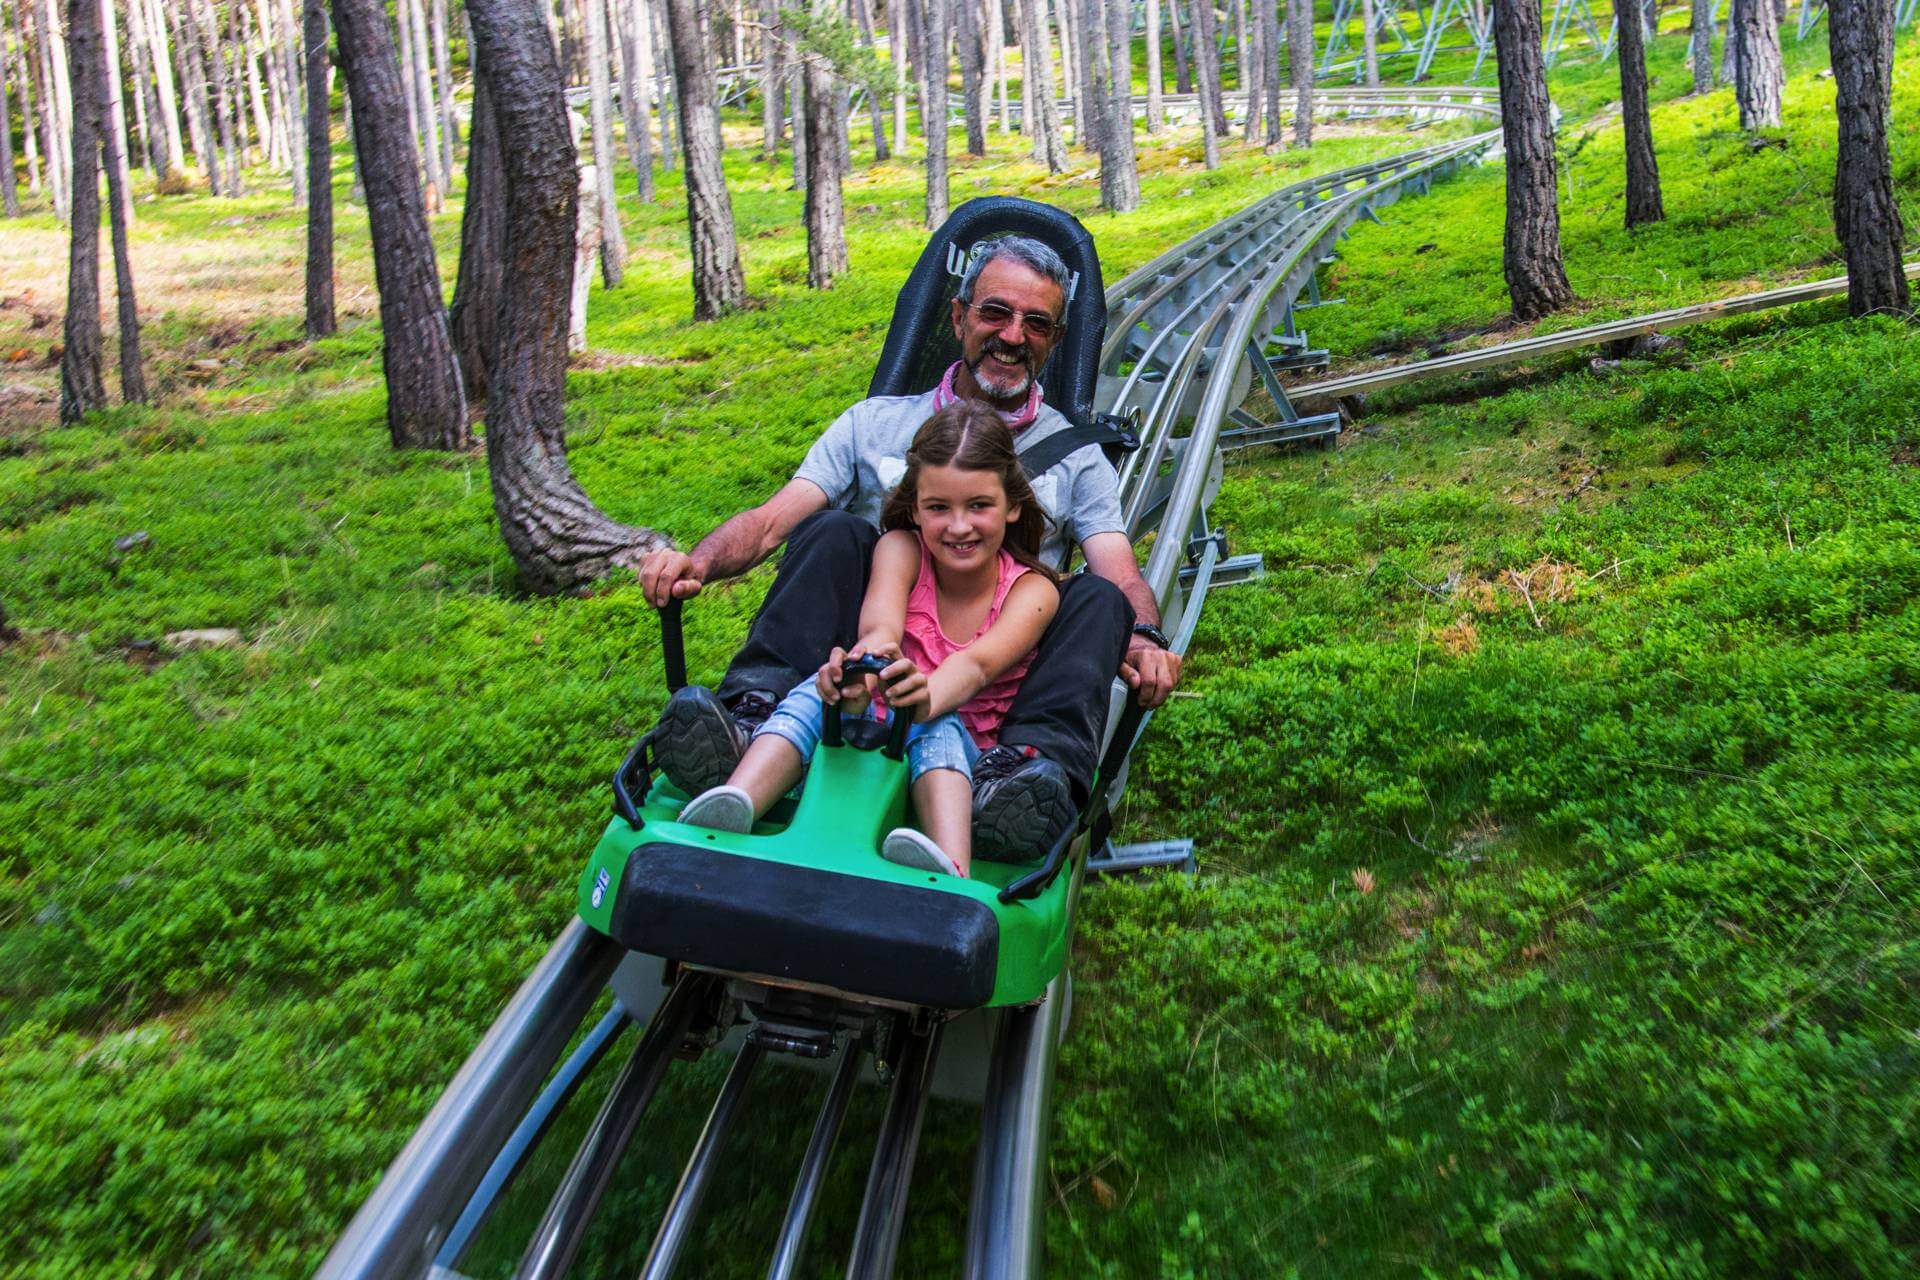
1555, 790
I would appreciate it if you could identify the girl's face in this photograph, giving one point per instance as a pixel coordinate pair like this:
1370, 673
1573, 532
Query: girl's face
962, 515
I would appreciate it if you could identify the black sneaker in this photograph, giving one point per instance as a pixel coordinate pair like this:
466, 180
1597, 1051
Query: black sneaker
698, 741
1021, 804
751, 709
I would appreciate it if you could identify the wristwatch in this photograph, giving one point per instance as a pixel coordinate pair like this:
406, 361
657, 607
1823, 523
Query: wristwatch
1152, 633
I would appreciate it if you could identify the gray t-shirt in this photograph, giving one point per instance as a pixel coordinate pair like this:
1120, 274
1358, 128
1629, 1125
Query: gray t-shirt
861, 457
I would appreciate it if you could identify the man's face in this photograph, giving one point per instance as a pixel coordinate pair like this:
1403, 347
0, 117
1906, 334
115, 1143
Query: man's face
998, 348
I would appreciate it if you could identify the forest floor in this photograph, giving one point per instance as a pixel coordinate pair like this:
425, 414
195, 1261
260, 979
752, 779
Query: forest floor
1557, 791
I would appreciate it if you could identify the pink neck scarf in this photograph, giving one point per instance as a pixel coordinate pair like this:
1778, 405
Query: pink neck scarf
944, 395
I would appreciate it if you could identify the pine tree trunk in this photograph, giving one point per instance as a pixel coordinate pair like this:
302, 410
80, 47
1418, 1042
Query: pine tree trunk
246, 36
797, 108
1271, 28
1156, 80
56, 101
1182, 64
1207, 71
1217, 56
613, 244
288, 48
773, 120
425, 405
9, 183
29, 118
558, 539
148, 155
1536, 280
1252, 60
863, 12
443, 74
1866, 213
669, 86
320, 318
1370, 42
1118, 129
133, 381
1643, 170
934, 111
997, 60
719, 285
224, 103
475, 313
438, 178
163, 81
1049, 147
635, 94
82, 389
1759, 78
966, 34
897, 47
1700, 46
1300, 63
1090, 111
825, 213
195, 87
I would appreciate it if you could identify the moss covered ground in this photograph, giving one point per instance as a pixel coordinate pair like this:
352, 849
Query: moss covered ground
1555, 791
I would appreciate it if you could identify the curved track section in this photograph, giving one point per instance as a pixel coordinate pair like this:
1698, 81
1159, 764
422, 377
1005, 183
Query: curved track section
1190, 336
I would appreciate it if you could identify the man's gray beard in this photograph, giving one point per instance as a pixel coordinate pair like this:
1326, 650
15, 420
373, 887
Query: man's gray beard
994, 393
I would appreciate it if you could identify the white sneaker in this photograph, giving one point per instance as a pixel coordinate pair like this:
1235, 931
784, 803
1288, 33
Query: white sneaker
915, 849
720, 809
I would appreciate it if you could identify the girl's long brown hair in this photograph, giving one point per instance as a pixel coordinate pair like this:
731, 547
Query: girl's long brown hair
969, 436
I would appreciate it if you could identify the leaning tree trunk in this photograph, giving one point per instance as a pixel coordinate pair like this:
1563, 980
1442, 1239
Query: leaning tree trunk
82, 389
113, 134
483, 238
1865, 213
934, 109
320, 319
613, 245
1300, 62
1643, 170
1206, 68
1759, 78
825, 212
1700, 45
719, 286
1036, 87
1536, 280
426, 408
558, 539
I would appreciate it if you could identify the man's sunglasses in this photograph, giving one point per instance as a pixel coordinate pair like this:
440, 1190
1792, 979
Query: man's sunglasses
1034, 324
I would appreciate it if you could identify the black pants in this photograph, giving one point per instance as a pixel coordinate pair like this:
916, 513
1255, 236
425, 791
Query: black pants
814, 604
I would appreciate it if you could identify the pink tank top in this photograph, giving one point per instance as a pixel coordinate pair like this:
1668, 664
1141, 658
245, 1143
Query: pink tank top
929, 646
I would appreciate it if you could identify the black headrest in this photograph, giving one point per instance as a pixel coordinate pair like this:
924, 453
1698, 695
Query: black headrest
920, 343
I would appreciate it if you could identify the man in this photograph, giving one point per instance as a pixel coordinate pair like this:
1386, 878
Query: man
1027, 788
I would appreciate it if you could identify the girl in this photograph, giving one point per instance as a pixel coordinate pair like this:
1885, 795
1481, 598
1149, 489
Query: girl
959, 558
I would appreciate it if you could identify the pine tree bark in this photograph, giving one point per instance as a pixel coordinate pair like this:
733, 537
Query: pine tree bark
293, 80
1270, 25
1300, 63
1370, 42
863, 14
613, 244
719, 285
426, 408
1759, 78
1182, 74
223, 102
443, 75
1643, 169
934, 109
1700, 46
474, 316
1866, 213
146, 106
82, 389
195, 87
320, 317
1036, 87
1156, 78
164, 82
898, 46
558, 539
439, 178
966, 35
29, 118
1536, 279
773, 119
56, 102
133, 381
1206, 67
9, 183
636, 92
1252, 64
825, 213
1121, 193
669, 94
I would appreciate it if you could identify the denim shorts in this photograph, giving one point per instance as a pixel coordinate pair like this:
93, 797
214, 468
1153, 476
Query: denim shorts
940, 743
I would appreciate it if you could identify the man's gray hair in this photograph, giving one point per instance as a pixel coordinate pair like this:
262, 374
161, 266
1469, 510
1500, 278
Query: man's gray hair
1026, 251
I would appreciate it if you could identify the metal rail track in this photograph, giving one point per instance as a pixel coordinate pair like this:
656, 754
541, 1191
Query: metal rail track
1188, 338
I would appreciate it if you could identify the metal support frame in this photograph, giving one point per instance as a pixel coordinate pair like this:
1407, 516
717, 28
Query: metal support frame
1115, 859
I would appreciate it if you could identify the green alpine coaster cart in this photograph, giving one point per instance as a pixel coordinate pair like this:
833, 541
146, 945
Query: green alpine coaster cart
795, 944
